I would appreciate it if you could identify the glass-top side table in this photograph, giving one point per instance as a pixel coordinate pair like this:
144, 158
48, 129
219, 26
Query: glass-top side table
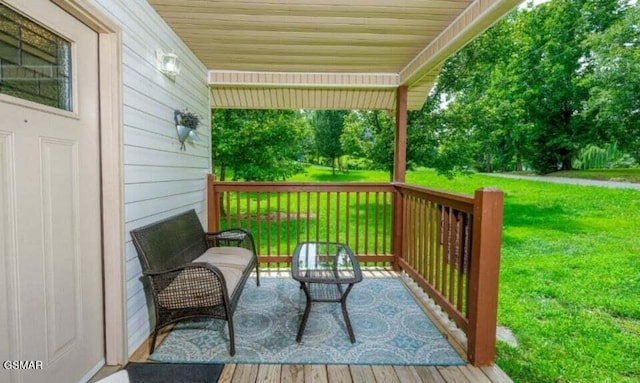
326, 271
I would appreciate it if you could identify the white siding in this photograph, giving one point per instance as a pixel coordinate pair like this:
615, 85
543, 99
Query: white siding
160, 180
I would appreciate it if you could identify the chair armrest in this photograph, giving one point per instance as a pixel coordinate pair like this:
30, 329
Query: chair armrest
232, 237
188, 286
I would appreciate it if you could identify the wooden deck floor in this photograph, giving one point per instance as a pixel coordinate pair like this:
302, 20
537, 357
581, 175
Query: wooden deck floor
275, 373
283, 373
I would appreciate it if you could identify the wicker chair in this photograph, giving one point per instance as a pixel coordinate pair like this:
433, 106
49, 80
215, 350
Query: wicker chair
193, 274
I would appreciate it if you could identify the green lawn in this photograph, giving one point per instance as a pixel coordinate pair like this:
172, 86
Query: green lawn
570, 275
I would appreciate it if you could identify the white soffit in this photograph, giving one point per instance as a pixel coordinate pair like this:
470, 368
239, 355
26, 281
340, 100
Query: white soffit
325, 54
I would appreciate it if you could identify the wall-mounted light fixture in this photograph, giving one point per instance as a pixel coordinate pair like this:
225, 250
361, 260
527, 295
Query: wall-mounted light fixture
167, 63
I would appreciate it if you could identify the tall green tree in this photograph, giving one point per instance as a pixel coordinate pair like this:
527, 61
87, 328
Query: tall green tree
548, 71
517, 94
252, 144
614, 82
329, 125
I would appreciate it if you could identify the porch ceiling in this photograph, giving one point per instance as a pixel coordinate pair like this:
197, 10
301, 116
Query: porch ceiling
325, 54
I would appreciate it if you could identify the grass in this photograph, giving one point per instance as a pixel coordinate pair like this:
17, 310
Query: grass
569, 280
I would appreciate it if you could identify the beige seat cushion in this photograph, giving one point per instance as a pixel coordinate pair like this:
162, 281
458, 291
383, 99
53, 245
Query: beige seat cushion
194, 288
232, 276
236, 257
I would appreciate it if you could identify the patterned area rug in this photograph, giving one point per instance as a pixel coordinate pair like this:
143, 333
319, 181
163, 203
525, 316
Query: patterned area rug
390, 329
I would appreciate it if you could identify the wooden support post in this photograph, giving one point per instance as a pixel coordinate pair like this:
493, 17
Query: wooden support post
213, 205
483, 276
399, 172
400, 143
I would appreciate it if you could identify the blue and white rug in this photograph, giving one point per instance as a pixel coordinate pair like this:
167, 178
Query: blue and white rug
390, 329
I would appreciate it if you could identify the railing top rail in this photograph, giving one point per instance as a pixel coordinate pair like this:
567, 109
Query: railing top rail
303, 187
458, 201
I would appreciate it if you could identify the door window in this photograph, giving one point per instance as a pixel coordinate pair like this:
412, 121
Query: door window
35, 63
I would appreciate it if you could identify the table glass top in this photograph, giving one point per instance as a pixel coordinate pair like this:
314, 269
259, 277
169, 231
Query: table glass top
325, 262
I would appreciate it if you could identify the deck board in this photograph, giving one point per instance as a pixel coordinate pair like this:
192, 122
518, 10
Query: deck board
360, 374
407, 374
429, 374
227, 373
385, 374
453, 374
339, 374
292, 373
474, 374
269, 373
245, 373
315, 373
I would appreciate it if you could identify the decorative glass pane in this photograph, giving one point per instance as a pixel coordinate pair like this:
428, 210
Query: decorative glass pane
35, 63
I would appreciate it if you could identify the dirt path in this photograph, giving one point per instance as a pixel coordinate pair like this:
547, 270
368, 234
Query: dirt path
571, 181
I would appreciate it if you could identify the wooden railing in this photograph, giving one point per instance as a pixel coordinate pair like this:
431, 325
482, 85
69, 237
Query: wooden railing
448, 243
451, 248
436, 247
280, 215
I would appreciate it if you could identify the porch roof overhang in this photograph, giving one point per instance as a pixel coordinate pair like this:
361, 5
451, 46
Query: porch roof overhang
325, 54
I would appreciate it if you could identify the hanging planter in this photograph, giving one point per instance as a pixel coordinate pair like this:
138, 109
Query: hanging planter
186, 124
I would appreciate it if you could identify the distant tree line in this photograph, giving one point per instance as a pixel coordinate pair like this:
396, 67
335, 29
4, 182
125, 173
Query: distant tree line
549, 87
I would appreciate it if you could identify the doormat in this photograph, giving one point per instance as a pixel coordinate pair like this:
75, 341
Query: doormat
170, 373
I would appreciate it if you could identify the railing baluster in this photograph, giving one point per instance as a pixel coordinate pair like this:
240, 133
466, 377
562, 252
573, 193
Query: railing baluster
407, 229
438, 260
419, 235
258, 222
328, 218
357, 248
278, 224
366, 223
460, 257
384, 223
228, 210
269, 224
414, 232
447, 252
453, 251
376, 250
288, 223
317, 216
431, 241
248, 213
309, 216
298, 217
337, 217
423, 236
238, 209
347, 213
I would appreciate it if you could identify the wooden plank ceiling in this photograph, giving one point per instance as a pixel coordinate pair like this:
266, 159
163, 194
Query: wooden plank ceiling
325, 54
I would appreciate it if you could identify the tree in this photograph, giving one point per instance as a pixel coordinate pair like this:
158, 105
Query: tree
370, 134
357, 137
250, 143
517, 94
551, 44
329, 125
614, 82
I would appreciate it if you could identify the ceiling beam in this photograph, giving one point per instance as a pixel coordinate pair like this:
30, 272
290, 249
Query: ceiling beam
251, 79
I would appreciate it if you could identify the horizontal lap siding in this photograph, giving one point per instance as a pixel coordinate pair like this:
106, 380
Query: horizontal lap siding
159, 179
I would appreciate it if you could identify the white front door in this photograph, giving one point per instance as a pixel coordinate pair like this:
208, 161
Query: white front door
51, 295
